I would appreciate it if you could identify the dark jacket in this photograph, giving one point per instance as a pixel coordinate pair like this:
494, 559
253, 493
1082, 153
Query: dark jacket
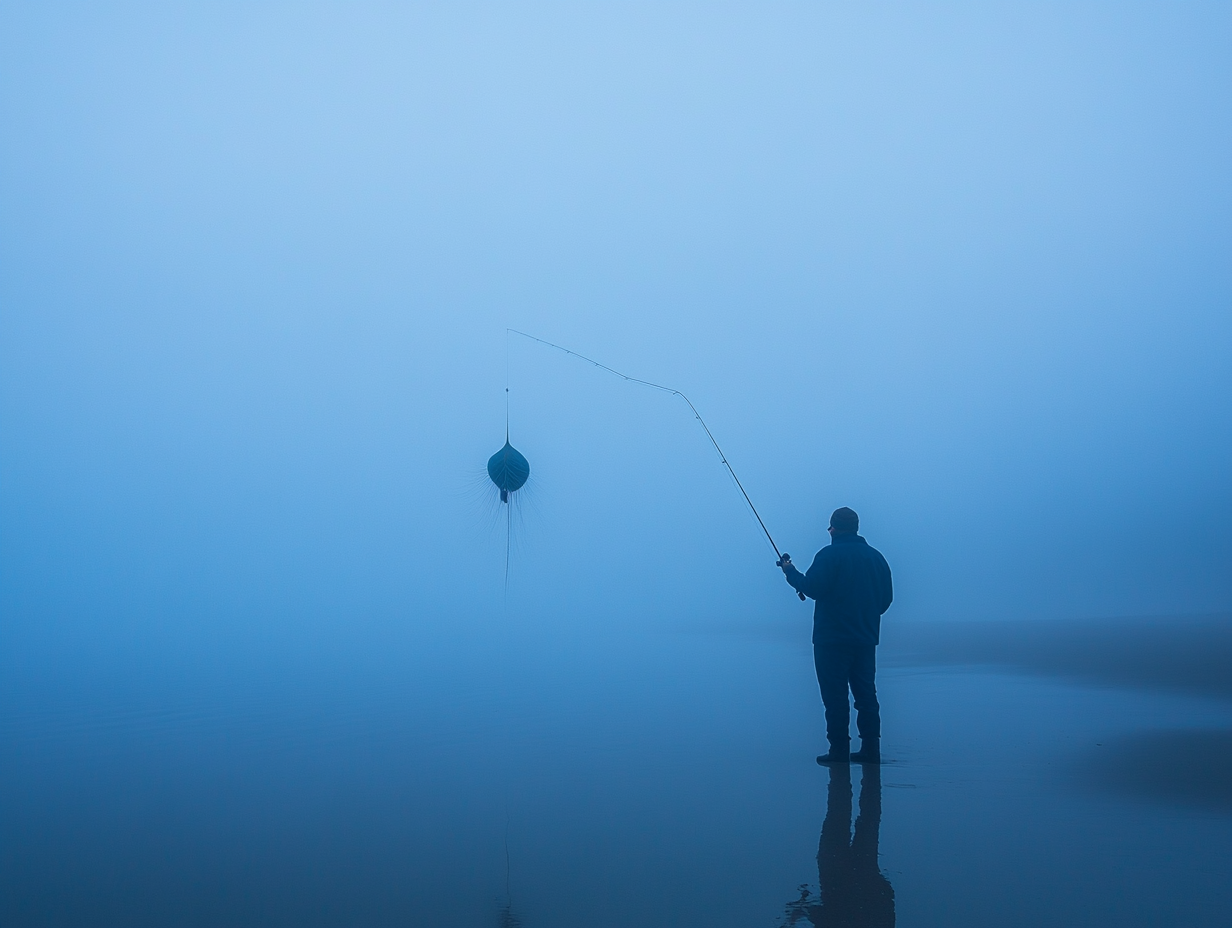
851, 582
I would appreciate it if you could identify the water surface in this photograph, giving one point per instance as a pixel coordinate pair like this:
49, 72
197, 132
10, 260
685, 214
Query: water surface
630, 779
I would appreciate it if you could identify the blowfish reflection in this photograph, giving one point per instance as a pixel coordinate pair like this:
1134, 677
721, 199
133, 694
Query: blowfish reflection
854, 893
507, 918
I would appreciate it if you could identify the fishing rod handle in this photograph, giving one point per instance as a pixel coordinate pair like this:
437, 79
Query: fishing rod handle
779, 563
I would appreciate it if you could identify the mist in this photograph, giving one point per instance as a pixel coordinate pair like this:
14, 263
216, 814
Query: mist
963, 268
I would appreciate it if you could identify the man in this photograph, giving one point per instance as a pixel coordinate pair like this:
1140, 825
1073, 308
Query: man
850, 581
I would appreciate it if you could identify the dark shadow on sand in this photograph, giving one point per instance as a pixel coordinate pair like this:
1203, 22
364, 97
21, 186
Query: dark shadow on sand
1191, 768
1188, 655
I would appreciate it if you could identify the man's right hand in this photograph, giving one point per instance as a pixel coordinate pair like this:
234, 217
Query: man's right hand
785, 562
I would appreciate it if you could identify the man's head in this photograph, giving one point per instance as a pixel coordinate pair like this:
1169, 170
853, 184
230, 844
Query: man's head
844, 521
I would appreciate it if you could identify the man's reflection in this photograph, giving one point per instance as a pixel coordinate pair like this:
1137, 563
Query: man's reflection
854, 892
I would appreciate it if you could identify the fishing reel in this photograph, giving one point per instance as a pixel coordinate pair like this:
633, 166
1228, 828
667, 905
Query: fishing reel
779, 563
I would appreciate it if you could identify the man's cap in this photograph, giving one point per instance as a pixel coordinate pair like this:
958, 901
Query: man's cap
845, 520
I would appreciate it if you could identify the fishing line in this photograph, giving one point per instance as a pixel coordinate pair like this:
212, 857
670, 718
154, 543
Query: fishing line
674, 392
509, 507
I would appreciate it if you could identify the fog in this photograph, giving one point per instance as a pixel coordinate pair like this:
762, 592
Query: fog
963, 270
961, 267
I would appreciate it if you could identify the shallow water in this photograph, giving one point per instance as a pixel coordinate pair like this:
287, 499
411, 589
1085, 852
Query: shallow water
530, 778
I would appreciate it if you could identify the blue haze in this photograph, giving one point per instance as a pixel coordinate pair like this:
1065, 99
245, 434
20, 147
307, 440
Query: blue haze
962, 267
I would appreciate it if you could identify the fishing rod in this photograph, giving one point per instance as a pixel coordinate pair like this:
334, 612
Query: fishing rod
696, 414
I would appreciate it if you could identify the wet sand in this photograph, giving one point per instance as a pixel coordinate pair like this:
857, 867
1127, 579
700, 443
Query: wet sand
1179, 767
1038, 775
1191, 654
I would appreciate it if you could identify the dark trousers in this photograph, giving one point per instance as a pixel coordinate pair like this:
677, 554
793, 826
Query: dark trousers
839, 666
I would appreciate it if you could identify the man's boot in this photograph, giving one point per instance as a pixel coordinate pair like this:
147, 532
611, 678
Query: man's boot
869, 753
839, 753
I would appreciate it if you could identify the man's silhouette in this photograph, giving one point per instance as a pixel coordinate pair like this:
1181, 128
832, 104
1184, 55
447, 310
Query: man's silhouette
850, 581
854, 891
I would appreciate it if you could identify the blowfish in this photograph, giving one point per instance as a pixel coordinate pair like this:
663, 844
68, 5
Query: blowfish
509, 470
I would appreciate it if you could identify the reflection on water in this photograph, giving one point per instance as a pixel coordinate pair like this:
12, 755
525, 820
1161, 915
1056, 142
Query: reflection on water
392, 790
853, 892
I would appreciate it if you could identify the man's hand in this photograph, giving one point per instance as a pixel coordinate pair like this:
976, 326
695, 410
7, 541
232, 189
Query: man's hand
785, 562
